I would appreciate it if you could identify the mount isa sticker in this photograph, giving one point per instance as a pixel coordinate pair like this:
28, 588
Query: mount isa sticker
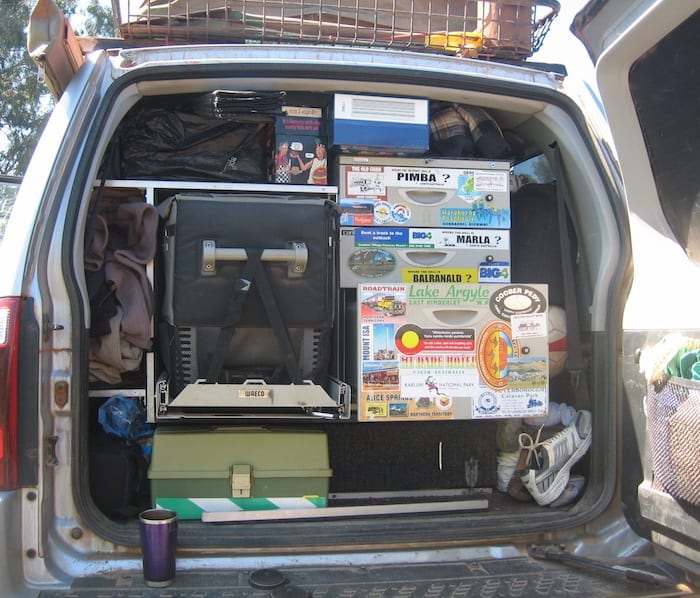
517, 299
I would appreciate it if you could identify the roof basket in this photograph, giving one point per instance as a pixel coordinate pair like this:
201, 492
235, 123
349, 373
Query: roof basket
498, 29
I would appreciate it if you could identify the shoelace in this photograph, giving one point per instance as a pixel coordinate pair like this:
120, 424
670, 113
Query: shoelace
531, 445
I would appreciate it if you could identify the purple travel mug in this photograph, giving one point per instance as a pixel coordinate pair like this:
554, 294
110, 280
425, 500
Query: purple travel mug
158, 540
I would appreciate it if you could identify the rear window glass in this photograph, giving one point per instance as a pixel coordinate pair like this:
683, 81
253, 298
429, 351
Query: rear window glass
665, 90
533, 170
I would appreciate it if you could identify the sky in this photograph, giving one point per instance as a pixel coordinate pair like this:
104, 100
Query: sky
561, 46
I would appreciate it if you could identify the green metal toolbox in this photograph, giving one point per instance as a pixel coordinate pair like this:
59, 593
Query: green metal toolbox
197, 470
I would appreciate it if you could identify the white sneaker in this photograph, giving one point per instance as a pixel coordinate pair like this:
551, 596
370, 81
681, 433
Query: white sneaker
551, 460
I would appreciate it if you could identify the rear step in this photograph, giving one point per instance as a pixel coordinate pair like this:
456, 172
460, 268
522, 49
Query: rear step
497, 577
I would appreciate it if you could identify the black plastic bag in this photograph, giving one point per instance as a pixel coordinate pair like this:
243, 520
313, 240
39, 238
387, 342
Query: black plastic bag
172, 144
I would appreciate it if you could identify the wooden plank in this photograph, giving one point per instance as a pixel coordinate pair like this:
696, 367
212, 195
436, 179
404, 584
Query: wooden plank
334, 512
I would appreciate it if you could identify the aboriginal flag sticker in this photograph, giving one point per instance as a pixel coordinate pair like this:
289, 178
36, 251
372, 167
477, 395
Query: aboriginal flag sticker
409, 339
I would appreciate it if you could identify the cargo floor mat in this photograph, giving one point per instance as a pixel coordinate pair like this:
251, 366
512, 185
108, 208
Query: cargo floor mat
493, 578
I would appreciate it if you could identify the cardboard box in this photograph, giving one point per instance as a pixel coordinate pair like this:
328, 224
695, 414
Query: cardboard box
374, 254
424, 192
197, 470
452, 351
377, 124
300, 147
508, 26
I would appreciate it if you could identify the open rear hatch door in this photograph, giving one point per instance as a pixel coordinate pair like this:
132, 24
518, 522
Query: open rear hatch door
646, 69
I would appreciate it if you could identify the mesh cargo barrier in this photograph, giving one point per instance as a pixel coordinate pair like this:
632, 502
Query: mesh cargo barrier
673, 421
503, 29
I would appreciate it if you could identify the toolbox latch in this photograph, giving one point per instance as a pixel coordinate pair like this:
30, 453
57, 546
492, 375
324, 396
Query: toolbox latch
241, 476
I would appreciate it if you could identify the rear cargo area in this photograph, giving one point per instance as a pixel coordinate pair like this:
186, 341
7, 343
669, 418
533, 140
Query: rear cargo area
303, 301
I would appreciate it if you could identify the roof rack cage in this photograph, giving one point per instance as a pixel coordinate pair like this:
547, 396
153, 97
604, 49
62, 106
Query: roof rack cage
497, 29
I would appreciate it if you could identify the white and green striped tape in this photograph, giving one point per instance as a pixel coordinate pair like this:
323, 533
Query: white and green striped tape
192, 508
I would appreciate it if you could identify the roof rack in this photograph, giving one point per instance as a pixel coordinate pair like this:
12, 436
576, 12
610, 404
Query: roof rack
497, 29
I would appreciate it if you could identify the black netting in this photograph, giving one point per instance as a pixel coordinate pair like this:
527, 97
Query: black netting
673, 421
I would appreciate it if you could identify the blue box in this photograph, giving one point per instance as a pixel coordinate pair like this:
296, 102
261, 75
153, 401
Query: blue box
380, 125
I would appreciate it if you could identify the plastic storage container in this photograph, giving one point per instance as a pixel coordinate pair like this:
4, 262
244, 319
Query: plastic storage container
217, 469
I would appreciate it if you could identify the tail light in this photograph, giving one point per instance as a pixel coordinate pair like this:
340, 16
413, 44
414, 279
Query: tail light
9, 368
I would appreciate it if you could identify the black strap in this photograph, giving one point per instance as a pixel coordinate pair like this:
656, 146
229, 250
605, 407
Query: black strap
235, 307
575, 362
278, 325
254, 273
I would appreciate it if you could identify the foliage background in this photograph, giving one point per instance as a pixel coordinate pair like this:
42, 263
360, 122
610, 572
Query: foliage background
25, 103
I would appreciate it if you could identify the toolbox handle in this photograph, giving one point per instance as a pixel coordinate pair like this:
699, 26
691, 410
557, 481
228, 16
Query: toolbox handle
241, 481
297, 256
